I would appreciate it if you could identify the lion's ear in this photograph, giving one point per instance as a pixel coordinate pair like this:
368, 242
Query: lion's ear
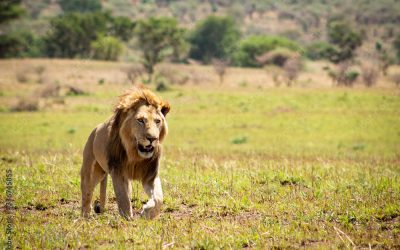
165, 108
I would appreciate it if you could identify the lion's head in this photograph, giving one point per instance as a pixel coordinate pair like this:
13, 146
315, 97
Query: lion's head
138, 127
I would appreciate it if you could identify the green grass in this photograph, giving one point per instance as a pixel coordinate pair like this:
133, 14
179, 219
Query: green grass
269, 168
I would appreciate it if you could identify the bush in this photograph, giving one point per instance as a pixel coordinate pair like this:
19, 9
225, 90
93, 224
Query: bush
172, 76
220, 68
345, 38
369, 75
350, 77
122, 27
133, 73
80, 5
321, 50
26, 104
214, 37
292, 67
396, 78
277, 57
162, 86
22, 75
343, 75
49, 90
396, 45
71, 35
106, 48
10, 10
254, 46
20, 44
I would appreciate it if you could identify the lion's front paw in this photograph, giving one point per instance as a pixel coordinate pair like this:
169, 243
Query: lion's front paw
150, 210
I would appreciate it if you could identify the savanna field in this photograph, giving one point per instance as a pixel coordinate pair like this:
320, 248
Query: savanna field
245, 164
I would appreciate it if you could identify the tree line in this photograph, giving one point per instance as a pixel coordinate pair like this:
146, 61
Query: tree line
84, 30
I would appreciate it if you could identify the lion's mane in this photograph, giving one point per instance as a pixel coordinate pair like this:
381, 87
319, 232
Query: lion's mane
117, 153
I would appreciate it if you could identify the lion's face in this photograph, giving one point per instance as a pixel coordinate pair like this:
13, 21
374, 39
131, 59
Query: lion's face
146, 125
137, 127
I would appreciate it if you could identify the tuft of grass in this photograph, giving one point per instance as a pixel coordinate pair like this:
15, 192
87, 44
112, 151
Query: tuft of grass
71, 131
239, 140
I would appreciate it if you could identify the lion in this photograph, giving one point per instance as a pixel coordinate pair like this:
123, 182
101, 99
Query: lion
127, 147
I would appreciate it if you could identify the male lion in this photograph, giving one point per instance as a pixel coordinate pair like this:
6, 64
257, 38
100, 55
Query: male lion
128, 147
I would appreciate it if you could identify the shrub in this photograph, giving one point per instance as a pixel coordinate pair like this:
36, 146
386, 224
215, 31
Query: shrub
343, 75
49, 90
20, 44
396, 78
369, 75
396, 45
321, 50
172, 76
277, 57
22, 76
346, 39
122, 27
350, 77
214, 37
73, 91
220, 68
39, 70
106, 48
133, 73
254, 46
162, 86
71, 34
80, 5
292, 67
10, 10
26, 104
239, 140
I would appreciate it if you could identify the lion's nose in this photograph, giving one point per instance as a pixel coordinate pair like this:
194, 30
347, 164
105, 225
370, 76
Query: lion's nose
151, 138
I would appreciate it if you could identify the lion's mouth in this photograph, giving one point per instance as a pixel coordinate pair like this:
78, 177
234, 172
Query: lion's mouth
147, 149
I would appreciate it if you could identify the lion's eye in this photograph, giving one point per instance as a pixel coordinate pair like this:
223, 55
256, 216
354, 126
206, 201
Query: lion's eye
140, 120
157, 121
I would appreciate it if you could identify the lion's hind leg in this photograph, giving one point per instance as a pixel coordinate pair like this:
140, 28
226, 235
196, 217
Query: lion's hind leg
100, 207
91, 175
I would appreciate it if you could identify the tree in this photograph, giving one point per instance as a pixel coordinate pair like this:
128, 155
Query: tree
122, 27
10, 9
345, 38
80, 5
321, 50
20, 44
396, 45
157, 38
215, 37
385, 59
13, 44
71, 35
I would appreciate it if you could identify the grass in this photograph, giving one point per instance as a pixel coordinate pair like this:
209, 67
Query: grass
242, 168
